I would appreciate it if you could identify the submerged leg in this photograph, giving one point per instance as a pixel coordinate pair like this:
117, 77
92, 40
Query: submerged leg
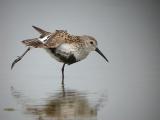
63, 90
63, 74
19, 57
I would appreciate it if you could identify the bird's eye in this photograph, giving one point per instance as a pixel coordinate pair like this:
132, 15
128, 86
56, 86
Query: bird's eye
91, 42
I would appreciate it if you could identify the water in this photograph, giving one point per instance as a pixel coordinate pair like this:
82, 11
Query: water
78, 99
63, 104
57, 102
127, 88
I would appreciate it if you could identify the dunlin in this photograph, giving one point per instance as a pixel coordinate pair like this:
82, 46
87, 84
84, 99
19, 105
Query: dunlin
62, 46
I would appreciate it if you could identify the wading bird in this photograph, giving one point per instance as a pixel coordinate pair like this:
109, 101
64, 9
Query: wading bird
62, 46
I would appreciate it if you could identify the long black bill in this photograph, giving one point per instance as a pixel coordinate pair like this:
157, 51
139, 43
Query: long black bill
97, 50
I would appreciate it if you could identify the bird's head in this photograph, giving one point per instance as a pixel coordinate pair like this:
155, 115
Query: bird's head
92, 45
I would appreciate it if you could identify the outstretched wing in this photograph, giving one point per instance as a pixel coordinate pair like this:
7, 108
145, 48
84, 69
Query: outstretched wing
34, 43
48, 41
40, 30
37, 42
51, 40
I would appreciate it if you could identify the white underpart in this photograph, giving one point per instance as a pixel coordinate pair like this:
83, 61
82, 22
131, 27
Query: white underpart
69, 49
45, 38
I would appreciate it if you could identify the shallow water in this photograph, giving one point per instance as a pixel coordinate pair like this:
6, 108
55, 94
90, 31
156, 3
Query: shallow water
60, 104
127, 88
45, 99
48, 99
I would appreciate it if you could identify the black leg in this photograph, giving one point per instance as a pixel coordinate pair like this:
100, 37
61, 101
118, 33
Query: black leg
63, 90
19, 57
63, 74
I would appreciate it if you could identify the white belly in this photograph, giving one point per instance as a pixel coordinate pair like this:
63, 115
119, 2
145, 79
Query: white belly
68, 49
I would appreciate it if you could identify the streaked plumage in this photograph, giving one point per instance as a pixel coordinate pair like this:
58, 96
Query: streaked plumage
62, 46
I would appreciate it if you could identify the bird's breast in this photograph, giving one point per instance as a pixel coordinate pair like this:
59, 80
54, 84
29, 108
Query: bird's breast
67, 53
62, 56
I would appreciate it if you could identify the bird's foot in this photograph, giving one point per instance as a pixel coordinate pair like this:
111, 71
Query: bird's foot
15, 61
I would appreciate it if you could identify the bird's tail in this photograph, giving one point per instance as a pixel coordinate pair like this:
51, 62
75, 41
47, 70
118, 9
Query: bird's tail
33, 43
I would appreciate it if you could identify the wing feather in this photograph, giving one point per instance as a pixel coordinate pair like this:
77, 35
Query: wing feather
33, 43
51, 40
56, 39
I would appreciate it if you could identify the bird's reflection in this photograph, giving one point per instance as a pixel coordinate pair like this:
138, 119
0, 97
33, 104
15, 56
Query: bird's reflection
65, 104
